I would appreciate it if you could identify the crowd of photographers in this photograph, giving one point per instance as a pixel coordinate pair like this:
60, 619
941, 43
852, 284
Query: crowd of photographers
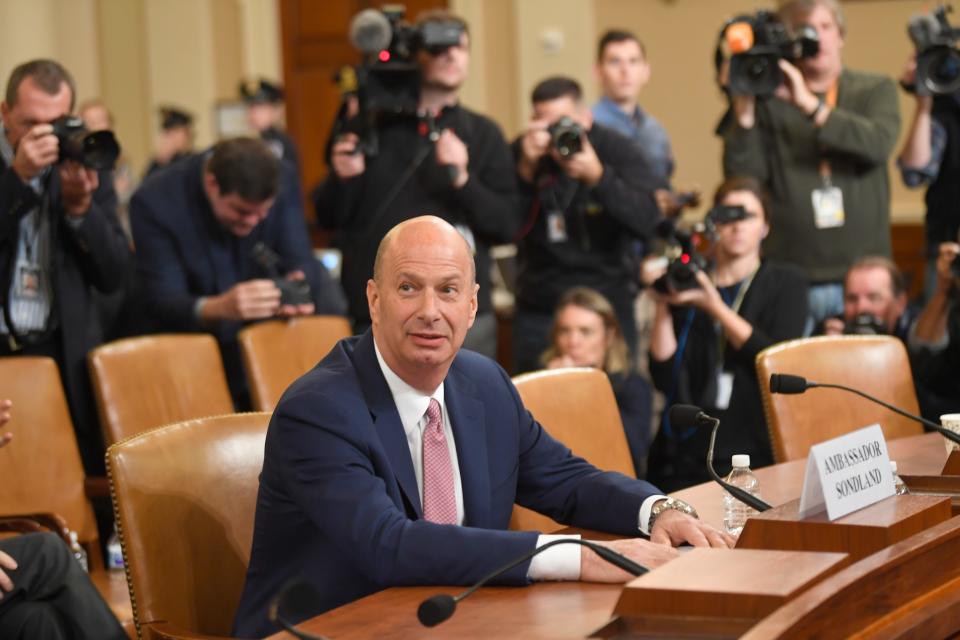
797, 240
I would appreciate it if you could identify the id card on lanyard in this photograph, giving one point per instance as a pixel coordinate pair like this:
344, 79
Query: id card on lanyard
827, 200
725, 378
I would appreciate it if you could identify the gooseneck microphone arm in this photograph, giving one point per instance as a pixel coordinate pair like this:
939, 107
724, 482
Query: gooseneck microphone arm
438, 608
687, 415
790, 384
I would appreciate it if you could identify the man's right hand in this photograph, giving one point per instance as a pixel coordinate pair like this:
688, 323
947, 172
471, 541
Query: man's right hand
534, 144
37, 150
347, 160
946, 254
250, 300
593, 568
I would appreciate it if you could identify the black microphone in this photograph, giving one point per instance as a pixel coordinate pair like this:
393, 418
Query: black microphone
297, 599
786, 383
686, 416
438, 608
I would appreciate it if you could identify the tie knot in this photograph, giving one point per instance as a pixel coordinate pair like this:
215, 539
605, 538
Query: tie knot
433, 412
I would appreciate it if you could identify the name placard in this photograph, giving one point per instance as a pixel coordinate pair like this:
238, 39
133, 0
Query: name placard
846, 474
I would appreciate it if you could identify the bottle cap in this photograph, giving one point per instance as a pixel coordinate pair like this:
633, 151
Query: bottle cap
893, 466
740, 460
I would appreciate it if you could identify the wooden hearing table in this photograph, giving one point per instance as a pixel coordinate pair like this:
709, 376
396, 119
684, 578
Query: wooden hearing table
566, 609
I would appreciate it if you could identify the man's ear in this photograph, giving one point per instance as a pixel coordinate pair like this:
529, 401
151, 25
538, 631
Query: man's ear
373, 301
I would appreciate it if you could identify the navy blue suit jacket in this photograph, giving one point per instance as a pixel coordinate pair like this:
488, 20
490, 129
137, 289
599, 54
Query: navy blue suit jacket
183, 253
339, 506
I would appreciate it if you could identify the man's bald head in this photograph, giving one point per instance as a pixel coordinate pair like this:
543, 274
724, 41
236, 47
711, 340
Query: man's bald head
423, 228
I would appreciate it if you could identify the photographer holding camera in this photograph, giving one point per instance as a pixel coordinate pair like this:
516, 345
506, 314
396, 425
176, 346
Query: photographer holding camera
874, 301
221, 242
433, 156
59, 235
820, 146
930, 155
705, 339
589, 193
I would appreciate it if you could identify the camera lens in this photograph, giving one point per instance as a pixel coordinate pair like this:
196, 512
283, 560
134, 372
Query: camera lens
755, 74
943, 71
99, 150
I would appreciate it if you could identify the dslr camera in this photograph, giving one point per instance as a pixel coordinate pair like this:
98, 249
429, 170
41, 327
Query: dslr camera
864, 324
388, 80
292, 292
565, 136
938, 60
683, 260
97, 150
755, 44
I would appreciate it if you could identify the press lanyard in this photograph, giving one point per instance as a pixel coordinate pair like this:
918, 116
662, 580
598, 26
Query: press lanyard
735, 307
829, 99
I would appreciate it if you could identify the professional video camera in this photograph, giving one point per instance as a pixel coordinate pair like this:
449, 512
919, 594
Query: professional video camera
683, 260
938, 60
292, 292
565, 136
97, 150
388, 80
754, 45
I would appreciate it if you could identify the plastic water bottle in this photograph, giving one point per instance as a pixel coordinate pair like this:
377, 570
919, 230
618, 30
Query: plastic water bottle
79, 552
899, 486
735, 513
114, 551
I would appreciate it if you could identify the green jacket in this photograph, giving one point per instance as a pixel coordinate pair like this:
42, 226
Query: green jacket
784, 150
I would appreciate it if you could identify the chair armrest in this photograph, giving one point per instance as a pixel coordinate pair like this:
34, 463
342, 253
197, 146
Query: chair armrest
32, 522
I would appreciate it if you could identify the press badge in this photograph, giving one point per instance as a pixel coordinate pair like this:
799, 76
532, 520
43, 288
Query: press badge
556, 227
28, 281
828, 207
724, 389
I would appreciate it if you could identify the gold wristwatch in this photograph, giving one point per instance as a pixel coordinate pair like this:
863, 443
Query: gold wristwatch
675, 504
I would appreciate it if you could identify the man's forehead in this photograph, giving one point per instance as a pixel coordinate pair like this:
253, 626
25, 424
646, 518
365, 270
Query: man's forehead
871, 277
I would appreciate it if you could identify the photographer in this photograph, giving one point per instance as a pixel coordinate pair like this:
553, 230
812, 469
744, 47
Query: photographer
201, 227
935, 337
705, 340
588, 193
59, 241
931, 156
820, 146
447, 160
874, 301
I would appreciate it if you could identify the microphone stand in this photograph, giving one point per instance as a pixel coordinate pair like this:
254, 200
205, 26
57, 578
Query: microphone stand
743, 496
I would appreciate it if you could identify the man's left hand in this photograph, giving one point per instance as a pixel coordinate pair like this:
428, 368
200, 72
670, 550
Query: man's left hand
795, 90
293, 310
451, 151
674, 528
584, 165
77, 184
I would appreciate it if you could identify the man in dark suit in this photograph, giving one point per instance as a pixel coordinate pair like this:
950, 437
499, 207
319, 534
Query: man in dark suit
201, 228
398, 459
59, 240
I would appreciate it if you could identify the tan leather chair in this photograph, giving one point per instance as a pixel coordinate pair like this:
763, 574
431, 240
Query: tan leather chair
41, 470
277, 352
877, 365
185, 496
578, 408
144, 382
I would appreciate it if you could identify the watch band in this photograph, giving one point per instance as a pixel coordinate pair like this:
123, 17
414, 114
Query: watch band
673, 504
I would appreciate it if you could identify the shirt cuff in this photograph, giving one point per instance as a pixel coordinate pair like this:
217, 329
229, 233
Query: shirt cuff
645, 509
561, 562
198, 307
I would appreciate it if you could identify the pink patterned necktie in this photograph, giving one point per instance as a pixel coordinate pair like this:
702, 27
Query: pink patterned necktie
439, 496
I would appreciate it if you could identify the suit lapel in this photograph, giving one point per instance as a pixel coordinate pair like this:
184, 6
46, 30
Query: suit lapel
467, 421
386, 419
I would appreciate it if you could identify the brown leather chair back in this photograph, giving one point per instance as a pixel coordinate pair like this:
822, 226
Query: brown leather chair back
142, 383
877, 365
578, 408
41, 467
184, 497
277, 352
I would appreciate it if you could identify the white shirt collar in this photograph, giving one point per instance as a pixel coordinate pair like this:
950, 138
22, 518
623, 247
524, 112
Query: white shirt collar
411, 403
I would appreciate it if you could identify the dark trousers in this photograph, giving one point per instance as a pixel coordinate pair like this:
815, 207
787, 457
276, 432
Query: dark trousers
531, 335
52, 597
